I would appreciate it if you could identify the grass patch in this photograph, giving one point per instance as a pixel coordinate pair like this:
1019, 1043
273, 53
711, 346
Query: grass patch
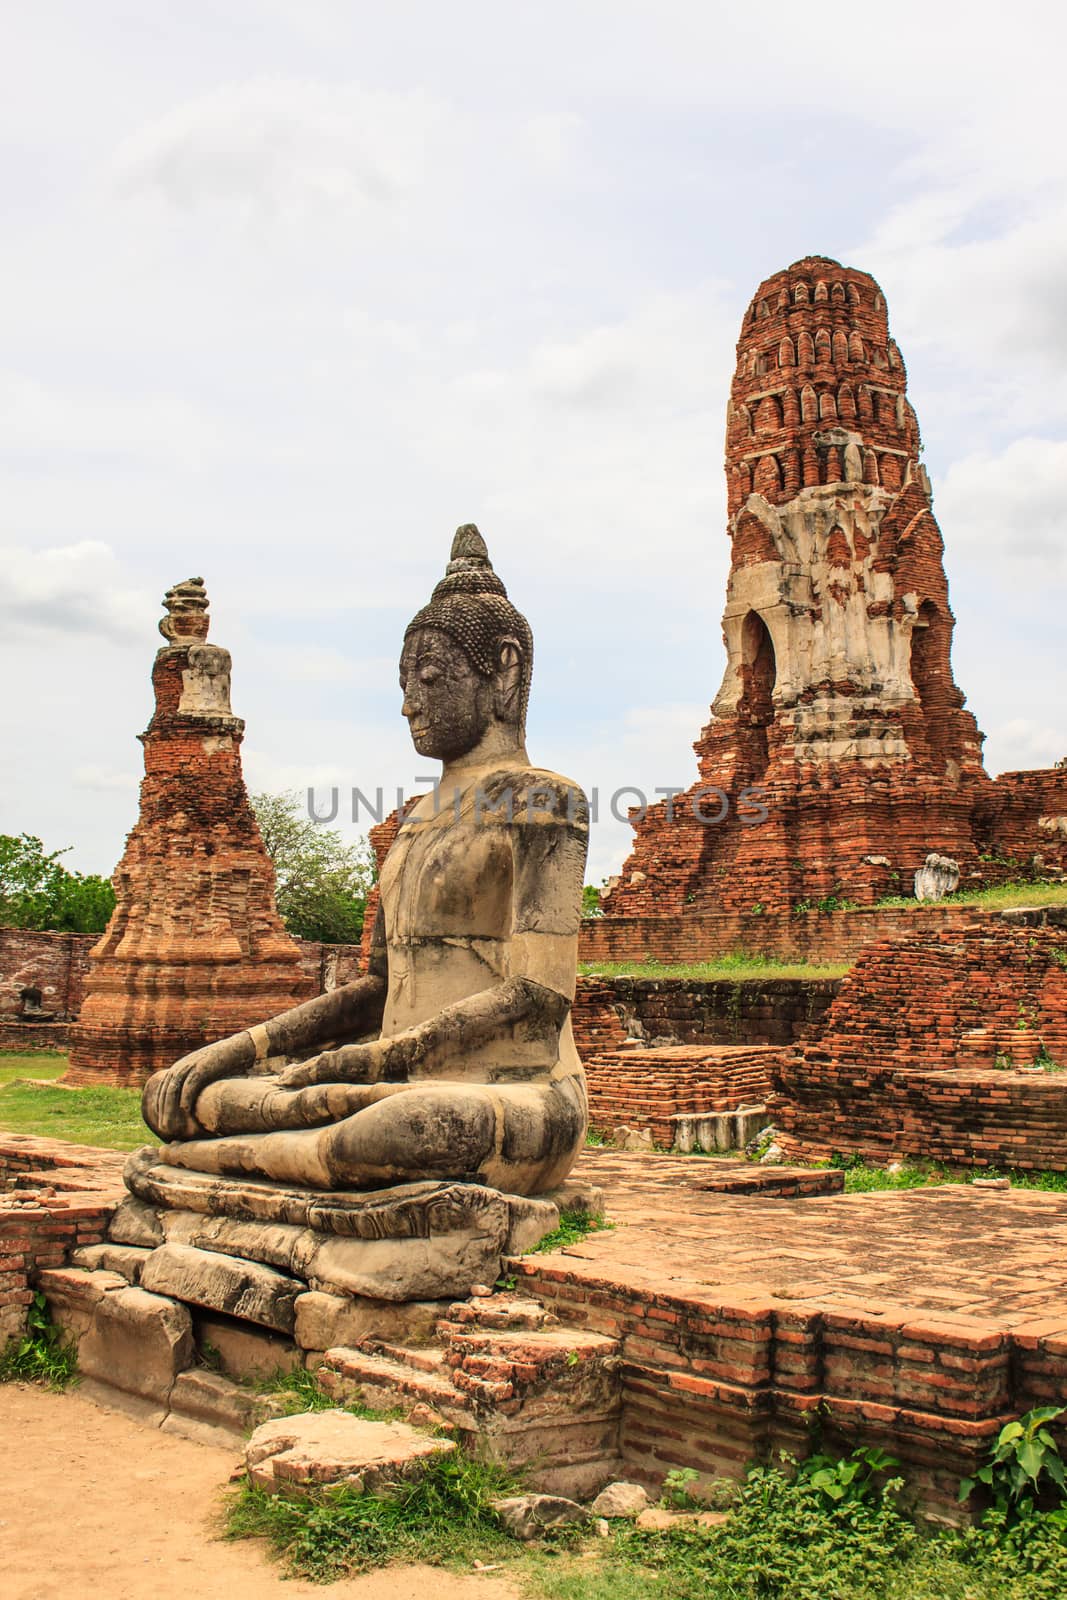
736, 967
109, 1118
443, 1518
786, 1538
41, 1355
861, 1178
1006, 897
574, 1225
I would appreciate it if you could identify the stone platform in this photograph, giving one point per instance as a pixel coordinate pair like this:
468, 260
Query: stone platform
732, 1311
917, 1320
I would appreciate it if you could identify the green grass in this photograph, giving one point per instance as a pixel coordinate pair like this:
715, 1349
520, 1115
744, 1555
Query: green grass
861, 1178
737, 967
574, 1225
787, 1535
1004, 898
443, 1518
110, 1118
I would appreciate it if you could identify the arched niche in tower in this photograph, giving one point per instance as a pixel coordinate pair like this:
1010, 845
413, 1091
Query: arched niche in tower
931, 674
759, 672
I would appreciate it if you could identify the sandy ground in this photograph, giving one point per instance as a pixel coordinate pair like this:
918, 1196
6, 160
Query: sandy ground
94, 1504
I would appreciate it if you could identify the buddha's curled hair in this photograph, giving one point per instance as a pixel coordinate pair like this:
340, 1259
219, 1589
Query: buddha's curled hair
471, 605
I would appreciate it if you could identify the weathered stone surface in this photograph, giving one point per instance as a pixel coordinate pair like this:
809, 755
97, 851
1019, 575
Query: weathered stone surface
136, 1223
421, 1241
73, 1295
620, 1500
244, 1289
139, 1342
333, 1447
243, 1349
937, 877
527, 1516
125, 1259
195, 948
325, 1320
209, 1397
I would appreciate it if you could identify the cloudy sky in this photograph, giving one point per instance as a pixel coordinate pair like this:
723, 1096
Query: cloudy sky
292, 287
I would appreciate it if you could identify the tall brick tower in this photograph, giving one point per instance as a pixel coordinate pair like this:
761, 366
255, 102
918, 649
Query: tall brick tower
195, 949
838, 700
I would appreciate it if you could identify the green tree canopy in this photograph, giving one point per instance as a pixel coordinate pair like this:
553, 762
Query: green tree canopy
322, 880
37, 891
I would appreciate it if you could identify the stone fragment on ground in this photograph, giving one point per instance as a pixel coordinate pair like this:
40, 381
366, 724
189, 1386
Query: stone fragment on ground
527, 1516
658, 1519
620, 1500
291, 1454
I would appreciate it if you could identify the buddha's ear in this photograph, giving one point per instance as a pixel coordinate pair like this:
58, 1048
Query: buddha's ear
508, 680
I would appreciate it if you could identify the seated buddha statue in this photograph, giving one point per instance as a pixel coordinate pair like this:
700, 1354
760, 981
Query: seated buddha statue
452, 1057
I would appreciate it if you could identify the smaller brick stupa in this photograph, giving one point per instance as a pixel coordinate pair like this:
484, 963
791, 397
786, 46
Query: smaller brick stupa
195, 949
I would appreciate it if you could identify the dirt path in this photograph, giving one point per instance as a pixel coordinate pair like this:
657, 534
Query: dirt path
96, 1505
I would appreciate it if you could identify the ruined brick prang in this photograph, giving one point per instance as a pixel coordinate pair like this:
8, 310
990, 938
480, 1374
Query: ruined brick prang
195, 949
838, 703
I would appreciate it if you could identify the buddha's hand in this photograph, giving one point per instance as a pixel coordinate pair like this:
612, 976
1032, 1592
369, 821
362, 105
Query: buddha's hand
169, 1100
352, 1063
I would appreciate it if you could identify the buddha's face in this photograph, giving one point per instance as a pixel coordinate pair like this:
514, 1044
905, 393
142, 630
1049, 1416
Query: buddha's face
449, 706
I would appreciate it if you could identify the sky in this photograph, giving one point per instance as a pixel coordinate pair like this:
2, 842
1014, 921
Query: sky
291, 288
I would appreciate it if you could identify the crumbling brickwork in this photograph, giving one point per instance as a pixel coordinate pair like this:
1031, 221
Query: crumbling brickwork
646, 1089
195, 948
950, 1046
837, 714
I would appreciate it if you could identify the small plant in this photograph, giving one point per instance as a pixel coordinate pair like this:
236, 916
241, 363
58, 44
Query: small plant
574, 1225
1045, 1061
41, 1355
676, 1487
596, 1138
1059, 955
756, 909
506, 1281
802, 907
1024, 1466
851, 1479
1002, 1062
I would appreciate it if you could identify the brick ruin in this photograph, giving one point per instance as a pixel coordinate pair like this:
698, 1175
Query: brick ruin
838, 703
946, 1046
195, 948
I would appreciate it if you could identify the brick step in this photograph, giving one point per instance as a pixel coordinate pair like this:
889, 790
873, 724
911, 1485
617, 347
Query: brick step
498, 1311
383, 1382
420, 1358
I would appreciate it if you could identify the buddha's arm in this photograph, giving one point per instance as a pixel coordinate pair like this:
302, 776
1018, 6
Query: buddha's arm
170, 1096
534, 1010
549, 850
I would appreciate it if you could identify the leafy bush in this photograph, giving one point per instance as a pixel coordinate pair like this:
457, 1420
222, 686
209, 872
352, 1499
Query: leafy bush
1024, 1466
41, 1356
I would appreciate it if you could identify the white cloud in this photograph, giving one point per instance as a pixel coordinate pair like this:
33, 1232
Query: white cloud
279, 148
550, 139
75, 589
1009, 506
1023, 743
94, 777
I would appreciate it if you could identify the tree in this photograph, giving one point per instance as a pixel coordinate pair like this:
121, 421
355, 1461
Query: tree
322, 881
37, 891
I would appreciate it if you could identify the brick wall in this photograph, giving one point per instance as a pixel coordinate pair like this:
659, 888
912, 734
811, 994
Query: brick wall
934, 1048
817, 936
54, 1197
691, 1011
644, 1089
54, 963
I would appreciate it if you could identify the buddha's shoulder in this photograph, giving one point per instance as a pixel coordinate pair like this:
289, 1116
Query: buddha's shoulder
536, 791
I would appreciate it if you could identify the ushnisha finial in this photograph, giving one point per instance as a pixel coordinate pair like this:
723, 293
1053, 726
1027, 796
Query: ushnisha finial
187, 621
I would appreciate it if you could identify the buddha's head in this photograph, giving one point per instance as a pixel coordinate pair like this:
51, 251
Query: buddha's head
467, 658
